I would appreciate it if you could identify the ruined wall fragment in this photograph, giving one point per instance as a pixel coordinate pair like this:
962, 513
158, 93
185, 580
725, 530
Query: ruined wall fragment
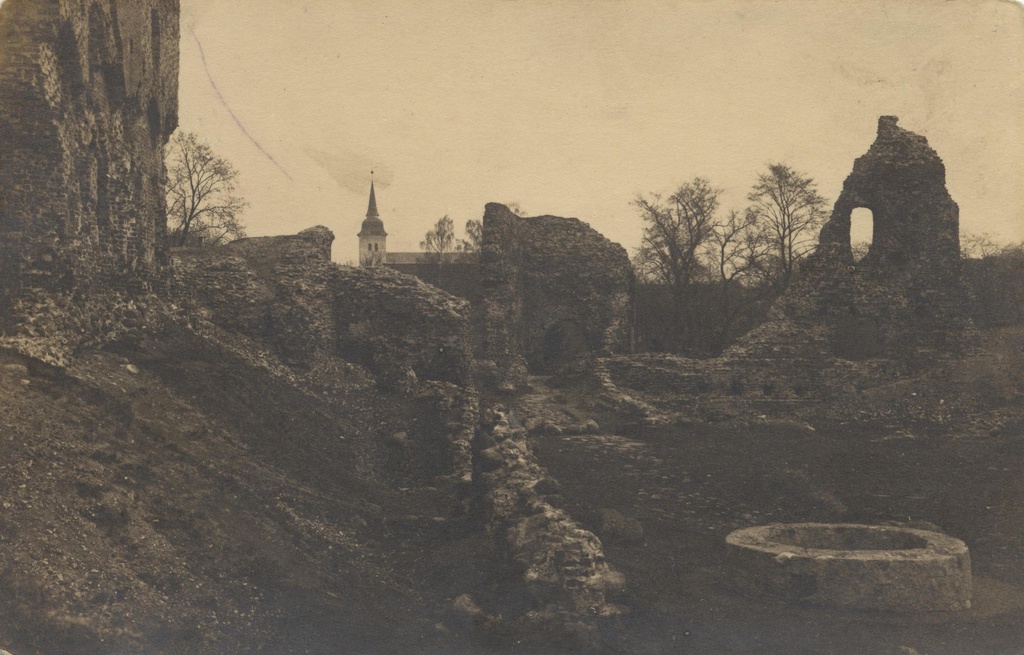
905, 299
843, 325
554, 289
285, 294
561, 564
88, 98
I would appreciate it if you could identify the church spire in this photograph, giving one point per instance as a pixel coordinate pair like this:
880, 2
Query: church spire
372, 237
371, 211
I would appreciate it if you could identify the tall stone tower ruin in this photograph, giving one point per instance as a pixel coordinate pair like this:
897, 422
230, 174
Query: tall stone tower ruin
905, 299
88, 99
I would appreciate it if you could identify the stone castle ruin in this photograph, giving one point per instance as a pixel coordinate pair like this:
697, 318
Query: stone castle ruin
89, 99
553, 289
843, 323
286, 295
905, 298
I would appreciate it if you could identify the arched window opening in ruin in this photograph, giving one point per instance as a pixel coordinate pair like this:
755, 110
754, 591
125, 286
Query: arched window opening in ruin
862, 231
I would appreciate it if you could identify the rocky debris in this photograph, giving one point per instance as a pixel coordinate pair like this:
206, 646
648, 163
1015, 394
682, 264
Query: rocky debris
553, 289
464, 613
549, 428
547, 487
561, 565
589, 427
398, 439
14, 370
490, 459
612, 526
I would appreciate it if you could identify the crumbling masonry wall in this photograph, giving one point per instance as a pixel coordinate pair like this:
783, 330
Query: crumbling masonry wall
280, 301
843, 324
553, 289
88, 99
905, 299
285, 294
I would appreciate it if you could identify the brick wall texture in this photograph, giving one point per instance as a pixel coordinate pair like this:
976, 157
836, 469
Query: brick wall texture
88, 99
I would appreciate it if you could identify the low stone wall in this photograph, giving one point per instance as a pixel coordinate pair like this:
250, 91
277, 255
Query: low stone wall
561, 564
656, 389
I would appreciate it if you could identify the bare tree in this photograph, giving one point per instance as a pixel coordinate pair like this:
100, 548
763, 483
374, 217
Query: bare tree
439, 242
201, 204
789, 210
677, 232
474, 236
735, 254
737, 246
979, 246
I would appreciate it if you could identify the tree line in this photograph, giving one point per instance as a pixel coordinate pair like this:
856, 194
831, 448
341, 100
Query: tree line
704, 276
439, 244
994, 273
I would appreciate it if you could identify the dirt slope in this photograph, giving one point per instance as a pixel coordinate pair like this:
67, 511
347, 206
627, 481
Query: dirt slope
173, 498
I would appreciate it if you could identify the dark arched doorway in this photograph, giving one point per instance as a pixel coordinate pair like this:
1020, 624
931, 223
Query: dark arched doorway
562, 342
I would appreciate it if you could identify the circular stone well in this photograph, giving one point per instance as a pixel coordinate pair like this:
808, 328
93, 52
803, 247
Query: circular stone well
850, 565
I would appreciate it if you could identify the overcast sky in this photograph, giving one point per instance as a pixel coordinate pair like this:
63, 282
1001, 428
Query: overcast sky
573, 107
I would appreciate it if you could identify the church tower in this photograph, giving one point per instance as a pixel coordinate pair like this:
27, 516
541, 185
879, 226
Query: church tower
372, 237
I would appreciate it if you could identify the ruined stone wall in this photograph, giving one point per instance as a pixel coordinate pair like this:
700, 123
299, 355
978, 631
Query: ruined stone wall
843, 325
282, 304
285, 294
88, 98
554, 288
460, 279
905, 299
561, 565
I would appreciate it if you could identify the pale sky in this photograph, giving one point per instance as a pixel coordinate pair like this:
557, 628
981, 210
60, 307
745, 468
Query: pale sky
573, 107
